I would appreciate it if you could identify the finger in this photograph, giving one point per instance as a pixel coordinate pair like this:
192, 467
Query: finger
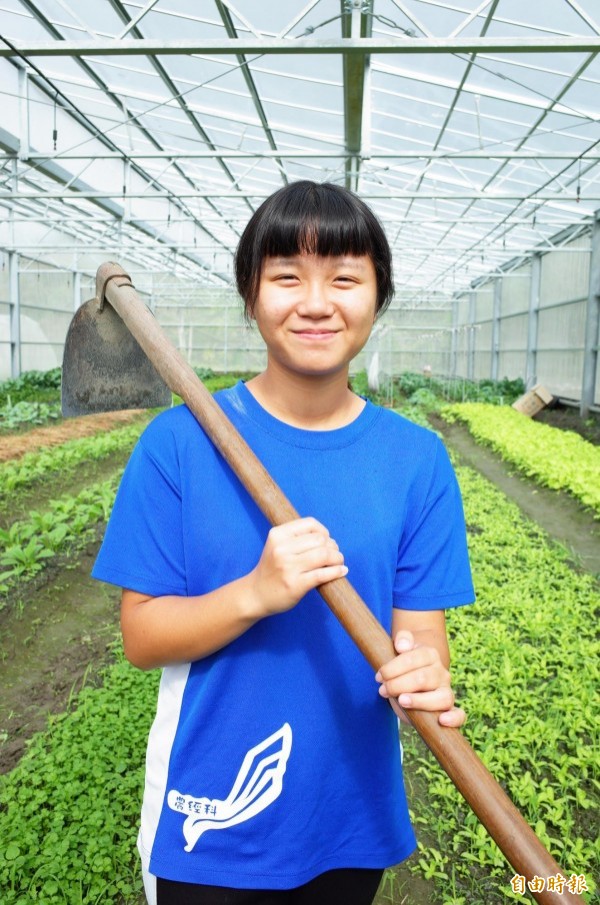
438, 699
320, 576
404, 641
426, 677
318, 558
415, 659
306, 525
302, 543
456, 717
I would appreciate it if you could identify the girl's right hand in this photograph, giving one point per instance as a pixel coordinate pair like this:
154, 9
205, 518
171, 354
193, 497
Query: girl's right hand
297, 557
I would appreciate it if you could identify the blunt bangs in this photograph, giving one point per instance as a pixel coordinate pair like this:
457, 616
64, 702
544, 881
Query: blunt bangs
312, 218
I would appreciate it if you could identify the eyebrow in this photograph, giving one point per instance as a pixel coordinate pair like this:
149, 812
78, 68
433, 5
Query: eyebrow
349, 263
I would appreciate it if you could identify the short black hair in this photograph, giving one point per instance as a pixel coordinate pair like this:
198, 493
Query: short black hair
308, 217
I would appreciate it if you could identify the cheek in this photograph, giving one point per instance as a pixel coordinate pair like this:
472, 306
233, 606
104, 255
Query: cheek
271, 309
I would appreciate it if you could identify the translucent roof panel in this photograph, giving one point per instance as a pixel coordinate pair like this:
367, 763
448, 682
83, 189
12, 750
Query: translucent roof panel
159, 126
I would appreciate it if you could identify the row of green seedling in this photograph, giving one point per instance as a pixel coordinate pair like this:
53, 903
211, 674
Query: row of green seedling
394, 388
525, 667
32, 386
561, 460
28, 544
16, 414
64, 458
526, 670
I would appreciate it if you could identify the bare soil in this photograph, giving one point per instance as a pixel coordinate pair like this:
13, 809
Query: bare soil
12, 446
22, 501
57, 629
54, 637
558, 514
568, 418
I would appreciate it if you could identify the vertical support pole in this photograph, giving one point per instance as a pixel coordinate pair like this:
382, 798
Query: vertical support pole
23, 115
356, 23
471, 336
533, 321
14, 305
76, 289
592, 325
497, 303
454, 338
127, 190
226, 336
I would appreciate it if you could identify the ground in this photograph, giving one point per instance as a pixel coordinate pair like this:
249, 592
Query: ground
560, 515
567, 417
56, 634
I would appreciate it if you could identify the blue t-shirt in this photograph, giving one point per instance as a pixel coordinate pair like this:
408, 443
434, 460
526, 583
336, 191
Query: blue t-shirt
275, 759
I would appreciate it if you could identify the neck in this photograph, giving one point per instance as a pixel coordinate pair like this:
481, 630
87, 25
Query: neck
322, 402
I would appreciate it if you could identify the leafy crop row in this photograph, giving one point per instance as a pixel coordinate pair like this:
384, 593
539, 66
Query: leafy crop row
69, 813
526, 670
38, 384
555, 458
27, 544
456, 389
16, 414
429, 393
34, 465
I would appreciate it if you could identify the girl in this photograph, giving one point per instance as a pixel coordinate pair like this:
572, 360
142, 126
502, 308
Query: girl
273, 769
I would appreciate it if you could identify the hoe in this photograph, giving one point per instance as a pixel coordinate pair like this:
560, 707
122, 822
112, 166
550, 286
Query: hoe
116, 357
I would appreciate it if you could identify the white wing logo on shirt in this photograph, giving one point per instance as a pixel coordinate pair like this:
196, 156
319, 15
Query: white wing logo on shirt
258, 783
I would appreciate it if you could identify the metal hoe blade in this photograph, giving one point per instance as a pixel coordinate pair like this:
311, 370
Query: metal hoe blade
104, 368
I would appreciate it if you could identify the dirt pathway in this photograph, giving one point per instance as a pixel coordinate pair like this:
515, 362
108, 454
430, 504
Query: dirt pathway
558, 514
12, 446
51, 643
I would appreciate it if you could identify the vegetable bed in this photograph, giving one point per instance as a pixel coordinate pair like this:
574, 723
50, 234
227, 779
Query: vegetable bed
525, 667
561, 460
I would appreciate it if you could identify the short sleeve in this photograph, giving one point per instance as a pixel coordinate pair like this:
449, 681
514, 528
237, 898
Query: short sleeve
433, 569
143, 546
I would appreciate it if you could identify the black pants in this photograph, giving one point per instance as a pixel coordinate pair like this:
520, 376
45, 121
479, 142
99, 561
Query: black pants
352, 886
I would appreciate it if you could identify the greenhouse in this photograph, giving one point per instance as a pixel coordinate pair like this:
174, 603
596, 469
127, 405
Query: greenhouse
148, 134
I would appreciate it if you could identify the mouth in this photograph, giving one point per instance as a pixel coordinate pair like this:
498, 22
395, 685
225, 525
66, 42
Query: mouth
317, 335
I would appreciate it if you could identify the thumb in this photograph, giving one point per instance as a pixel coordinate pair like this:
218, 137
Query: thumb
404, 641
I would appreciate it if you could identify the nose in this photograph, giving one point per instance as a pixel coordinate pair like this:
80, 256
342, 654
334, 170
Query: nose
315, 302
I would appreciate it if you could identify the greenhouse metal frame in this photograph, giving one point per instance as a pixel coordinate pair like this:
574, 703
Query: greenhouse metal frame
148, 132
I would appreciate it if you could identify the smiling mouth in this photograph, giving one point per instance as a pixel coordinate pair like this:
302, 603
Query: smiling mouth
315, 334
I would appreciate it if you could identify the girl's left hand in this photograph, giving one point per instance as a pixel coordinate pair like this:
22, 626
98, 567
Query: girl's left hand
418, 680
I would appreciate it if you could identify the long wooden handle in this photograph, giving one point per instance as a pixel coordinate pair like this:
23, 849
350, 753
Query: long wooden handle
493, 807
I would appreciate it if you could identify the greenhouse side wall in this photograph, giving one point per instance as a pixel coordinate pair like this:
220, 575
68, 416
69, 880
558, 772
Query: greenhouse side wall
5, 346
530, 321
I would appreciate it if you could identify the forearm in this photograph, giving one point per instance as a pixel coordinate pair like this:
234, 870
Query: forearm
160, 631
437, 639
428, 629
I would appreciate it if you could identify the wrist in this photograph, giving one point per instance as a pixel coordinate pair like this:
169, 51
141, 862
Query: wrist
249, 598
